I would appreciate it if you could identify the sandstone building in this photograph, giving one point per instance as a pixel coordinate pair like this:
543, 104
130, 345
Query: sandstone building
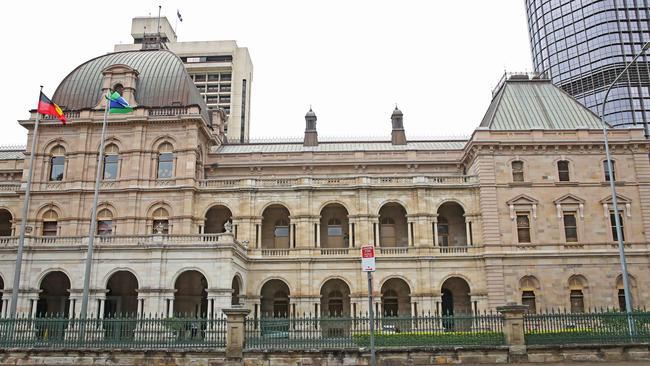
521, 211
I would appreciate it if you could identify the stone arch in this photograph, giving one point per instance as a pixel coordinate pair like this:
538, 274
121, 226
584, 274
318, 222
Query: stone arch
334, 202
393, 225
390, 201
336, 277
51, 144
334, 226
451, 224
274, 203
529, 289
395, 297
178, 273
47, 207
456, 298
54, 297
276, 227
6, 222
215, 219
619, 292
190, 296
237, 287
122, 294
111, 140
155, 145
275, 296
335, 298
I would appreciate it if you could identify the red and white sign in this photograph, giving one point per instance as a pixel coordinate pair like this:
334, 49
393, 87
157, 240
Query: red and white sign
368, 258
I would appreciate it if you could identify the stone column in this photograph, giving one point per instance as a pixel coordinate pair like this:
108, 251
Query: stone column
409, 233
317, 227
351, 236
513, 327
235, 318
468, 231
435, 231
221, 299
377, 232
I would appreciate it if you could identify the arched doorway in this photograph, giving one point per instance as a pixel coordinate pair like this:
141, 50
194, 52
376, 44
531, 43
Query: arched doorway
53, 302
451, 225
395, 298
334, 227
274, 300
393, 230
276, 227
215, 219
54, 298
6, 221
122, 295
455, 297
236, 291
335, 299
191, 297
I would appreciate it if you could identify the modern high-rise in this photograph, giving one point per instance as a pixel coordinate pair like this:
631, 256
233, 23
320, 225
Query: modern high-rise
221, 70
584, 44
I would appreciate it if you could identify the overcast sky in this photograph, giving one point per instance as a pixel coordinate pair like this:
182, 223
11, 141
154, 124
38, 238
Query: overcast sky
351, 60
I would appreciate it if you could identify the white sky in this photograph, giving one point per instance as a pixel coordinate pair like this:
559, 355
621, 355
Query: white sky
351, 60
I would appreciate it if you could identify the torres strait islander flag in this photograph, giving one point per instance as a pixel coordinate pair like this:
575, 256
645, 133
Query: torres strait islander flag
118, 104
48, 107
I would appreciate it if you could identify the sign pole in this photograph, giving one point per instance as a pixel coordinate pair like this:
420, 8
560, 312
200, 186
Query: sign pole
373, 359
368, 266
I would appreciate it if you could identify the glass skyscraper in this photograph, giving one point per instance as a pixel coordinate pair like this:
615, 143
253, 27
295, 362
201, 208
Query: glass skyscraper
583, 44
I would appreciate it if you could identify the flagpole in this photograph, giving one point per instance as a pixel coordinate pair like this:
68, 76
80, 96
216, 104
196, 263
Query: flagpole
93, 220
23, 219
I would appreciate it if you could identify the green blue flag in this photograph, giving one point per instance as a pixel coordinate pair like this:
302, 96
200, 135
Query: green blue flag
118, 104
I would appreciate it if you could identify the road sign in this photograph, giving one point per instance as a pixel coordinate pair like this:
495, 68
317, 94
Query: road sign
368, 258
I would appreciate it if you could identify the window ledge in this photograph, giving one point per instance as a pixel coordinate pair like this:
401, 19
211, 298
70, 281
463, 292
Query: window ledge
616, 183
569, 183
520, 184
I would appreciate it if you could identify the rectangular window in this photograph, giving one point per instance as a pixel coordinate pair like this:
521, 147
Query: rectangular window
577, 301
621, 300
334, 230
570, 227
199, 77
213, 77
563, 170
517, 171
281, 231
607, 175
161, 227
57, 166
104, 227
523, 228
49, 228
165, 165
528, 298
612, 220
226, 77
110, 167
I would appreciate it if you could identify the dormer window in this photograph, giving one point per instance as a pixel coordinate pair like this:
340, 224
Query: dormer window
118, 88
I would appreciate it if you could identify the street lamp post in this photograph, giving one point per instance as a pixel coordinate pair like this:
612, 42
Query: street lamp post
612, 185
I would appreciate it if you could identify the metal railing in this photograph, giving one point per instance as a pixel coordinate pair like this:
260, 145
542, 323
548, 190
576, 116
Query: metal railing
605, 326
353, 332
124, 332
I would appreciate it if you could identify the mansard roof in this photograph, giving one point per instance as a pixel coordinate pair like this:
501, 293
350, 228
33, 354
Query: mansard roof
524, 102
334, 146
162, 82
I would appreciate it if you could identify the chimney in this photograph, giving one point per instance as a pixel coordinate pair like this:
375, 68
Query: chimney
397, 136
311, 135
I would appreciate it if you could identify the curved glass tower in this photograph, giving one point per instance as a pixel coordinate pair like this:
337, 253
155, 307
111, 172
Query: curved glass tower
583, 44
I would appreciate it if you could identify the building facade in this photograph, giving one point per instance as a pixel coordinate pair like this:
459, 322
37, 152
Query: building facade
221, 70
584, 45
189, 224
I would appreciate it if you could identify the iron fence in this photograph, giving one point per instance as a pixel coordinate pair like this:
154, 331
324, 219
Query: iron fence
605, 326
129, 332
353, 332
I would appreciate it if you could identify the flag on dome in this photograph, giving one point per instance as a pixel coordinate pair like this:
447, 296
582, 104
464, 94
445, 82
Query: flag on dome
48, 107
118, 104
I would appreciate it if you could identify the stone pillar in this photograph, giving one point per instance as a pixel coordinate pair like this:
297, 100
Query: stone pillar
235, 318
221, 299
409, 233
317, 226
170, 309
468, 231
351, 237
513, 326
377, 233
435, 231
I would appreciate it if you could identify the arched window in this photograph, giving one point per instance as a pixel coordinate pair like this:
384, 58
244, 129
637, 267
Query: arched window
50, 223
160, 221
335, 303
518, 171
528, 285
165, 161
57, 163
281, 229
576, 294
334, 227
443, 231
607, 174
104, 222
563, 170
391, 303
280, 304
111, 159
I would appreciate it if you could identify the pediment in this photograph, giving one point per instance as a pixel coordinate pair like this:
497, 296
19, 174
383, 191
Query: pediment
120, 69
619, 197
569, 199
522, 199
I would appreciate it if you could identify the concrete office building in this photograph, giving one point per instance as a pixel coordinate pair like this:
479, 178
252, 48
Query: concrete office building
221, 70
582, 45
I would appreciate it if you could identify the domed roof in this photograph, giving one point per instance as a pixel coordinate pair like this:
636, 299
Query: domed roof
397, 112
162, 81
310, 113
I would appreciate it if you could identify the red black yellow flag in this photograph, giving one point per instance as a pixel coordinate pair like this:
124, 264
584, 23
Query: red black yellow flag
48, 107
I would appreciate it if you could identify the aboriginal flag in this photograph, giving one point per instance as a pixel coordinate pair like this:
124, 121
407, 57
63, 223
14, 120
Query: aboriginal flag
48, 107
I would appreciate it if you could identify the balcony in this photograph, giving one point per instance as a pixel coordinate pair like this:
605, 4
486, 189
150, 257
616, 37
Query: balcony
216, 240
337, 182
